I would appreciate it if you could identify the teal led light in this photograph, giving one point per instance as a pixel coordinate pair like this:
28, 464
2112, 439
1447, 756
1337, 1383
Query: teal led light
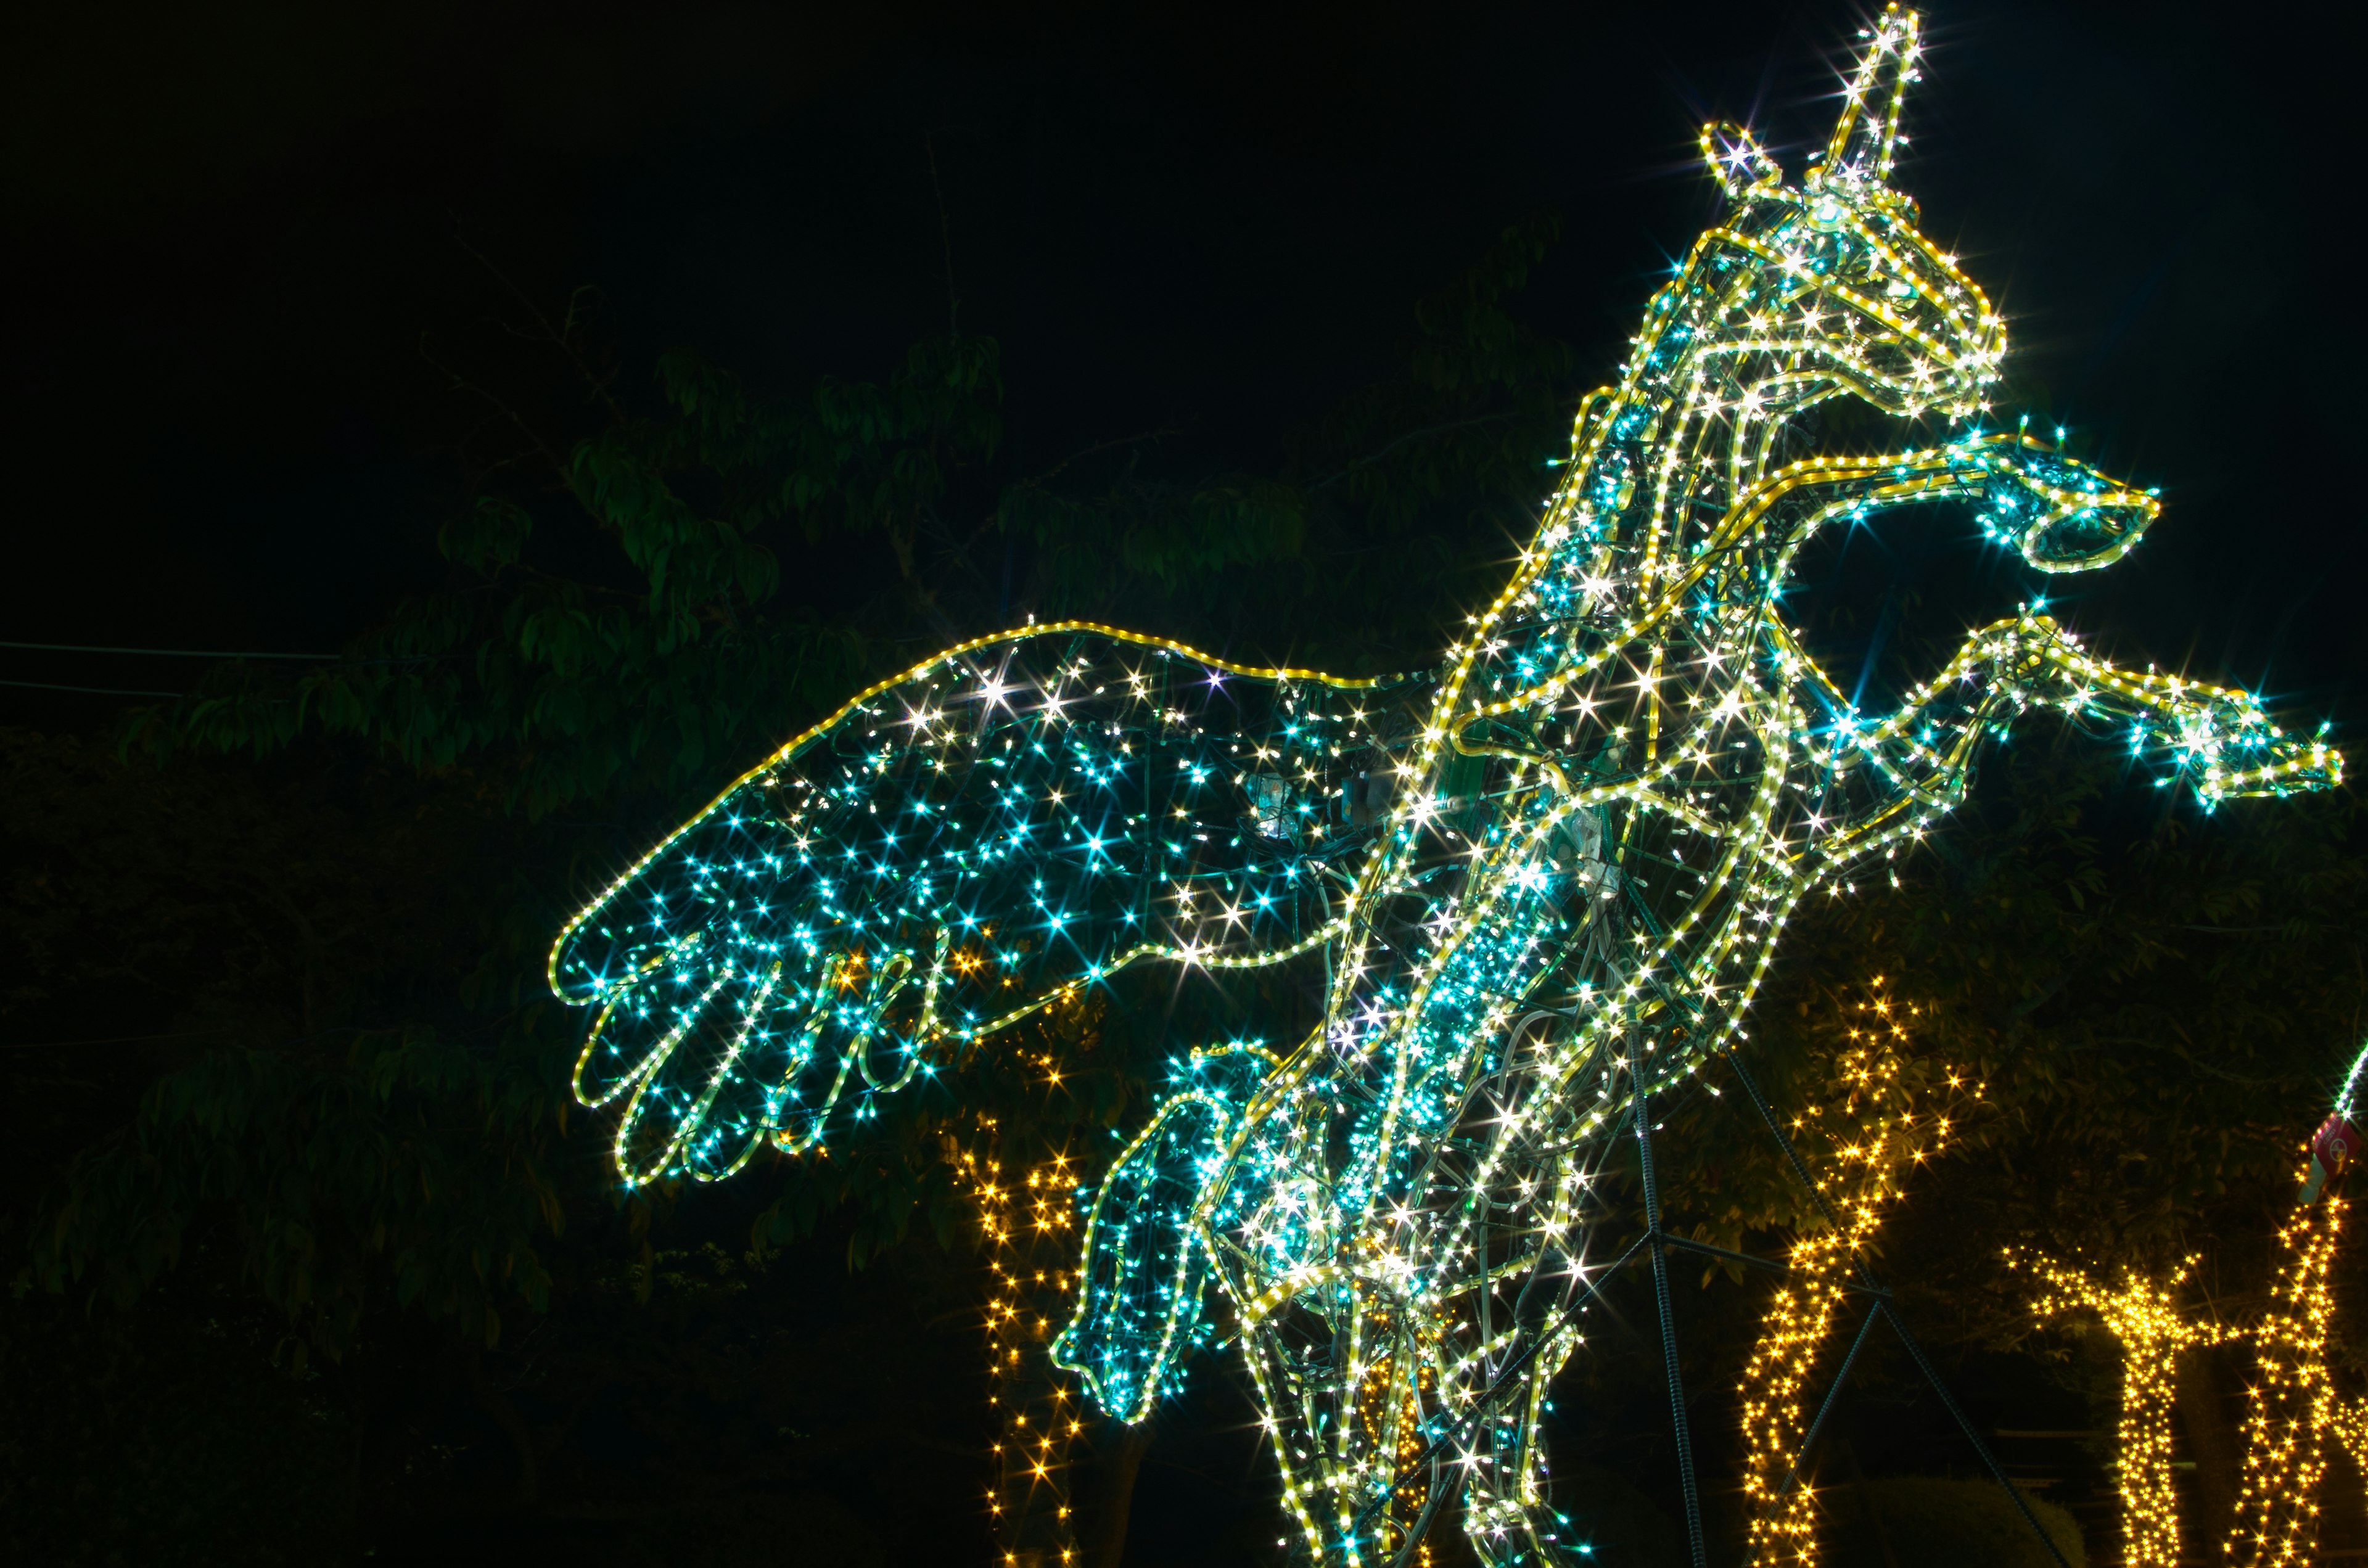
1545, 876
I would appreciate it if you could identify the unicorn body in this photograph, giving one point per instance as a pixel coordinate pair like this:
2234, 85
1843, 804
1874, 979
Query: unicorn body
1546, 877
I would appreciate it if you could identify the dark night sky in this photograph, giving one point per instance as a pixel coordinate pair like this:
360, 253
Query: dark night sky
234, 225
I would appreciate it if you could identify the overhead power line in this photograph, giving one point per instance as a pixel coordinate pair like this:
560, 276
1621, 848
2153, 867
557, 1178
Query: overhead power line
94, 690
107, 1040
159, 653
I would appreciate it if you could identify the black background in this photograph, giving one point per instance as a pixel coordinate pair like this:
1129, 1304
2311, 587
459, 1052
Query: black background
240, 231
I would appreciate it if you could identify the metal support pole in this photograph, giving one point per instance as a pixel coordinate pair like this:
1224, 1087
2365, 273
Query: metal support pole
1668, 1329
1932, 1376
1776, 1131
1505, 1381
1833, 1397
1727, 1254
1890, 1313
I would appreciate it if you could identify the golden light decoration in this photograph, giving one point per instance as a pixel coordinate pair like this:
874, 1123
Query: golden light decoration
1029, 1227
2146, 1319
2350, 1428
2290, 1410
1877, 1134
1544, 879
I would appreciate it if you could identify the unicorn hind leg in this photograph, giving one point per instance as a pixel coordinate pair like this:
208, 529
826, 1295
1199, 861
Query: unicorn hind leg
1145, 1270
1385, 1440
1347, 1375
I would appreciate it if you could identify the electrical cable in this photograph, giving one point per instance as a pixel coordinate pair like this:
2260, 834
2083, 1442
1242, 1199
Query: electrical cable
159, 652
93, 690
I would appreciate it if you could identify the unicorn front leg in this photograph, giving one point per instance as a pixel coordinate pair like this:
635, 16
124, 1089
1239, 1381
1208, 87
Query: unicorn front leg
1916, 761
2220, 738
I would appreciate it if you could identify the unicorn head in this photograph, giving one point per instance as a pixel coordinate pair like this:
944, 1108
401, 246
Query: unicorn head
1809, 290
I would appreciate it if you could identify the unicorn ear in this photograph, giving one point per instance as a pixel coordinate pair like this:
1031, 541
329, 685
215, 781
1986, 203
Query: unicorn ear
1740, 165
1869, 130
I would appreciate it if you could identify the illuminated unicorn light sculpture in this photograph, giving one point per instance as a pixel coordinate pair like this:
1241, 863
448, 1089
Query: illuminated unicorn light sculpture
1544, 879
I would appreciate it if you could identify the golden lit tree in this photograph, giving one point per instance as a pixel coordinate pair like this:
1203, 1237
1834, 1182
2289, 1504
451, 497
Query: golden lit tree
2143, 1317
1877, 1133
2290, 1408
1029, 1229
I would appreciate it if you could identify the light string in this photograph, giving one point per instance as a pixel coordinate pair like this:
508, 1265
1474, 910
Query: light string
1028, 1226
2290, 1408
1544, 879
2349, 1425
1877, 1134
2145, 1319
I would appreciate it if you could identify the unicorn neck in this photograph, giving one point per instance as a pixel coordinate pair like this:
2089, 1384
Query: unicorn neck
1695, 420
1656, 460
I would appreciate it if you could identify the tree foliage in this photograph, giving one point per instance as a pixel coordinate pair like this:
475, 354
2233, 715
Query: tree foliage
614, 636
317, 902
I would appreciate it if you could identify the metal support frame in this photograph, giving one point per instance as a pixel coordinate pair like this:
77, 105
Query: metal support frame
1658, 1243
1660, 1261
1825, 1406
1989, 1461
1885, 1309
1429, 1457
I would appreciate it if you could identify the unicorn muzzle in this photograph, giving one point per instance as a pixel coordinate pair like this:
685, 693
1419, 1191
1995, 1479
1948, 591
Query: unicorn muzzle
2061, 514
